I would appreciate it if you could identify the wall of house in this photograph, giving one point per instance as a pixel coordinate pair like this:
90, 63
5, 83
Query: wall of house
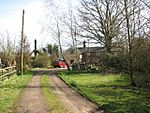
71, 58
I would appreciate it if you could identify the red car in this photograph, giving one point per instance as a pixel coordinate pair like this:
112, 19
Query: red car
60, 64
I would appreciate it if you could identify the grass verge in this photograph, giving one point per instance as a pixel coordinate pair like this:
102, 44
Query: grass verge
111, 92
51, 99
10, 91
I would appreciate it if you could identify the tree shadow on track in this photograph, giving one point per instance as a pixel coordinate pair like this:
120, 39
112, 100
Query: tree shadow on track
22, 86
54, 71
35, 73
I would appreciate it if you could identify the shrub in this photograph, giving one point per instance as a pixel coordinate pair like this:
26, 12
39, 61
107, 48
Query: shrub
41, 61
117, 62
141, 61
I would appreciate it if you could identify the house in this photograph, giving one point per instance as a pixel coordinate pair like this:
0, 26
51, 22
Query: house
87, 55
72, 55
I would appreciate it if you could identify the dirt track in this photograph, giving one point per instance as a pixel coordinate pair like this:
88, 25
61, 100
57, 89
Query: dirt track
32, 99
71, 99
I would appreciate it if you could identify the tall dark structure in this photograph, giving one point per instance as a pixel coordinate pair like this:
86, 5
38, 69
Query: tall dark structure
84, 44
35, 51
35, 47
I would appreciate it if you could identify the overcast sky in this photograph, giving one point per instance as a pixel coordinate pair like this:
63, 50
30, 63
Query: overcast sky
11, 13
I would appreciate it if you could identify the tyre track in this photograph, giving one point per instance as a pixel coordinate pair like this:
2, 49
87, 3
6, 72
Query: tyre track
32, 100
72, 101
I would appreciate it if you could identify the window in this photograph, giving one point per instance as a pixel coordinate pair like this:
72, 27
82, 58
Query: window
71, 61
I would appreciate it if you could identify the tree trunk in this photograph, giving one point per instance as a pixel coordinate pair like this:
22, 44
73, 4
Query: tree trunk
129, 44
63, 55
66, 64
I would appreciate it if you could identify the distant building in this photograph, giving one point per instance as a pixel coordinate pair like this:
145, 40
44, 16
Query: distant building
87, 55
72, 56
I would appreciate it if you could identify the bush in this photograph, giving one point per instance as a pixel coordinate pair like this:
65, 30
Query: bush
117, 62
41, 61
141, 61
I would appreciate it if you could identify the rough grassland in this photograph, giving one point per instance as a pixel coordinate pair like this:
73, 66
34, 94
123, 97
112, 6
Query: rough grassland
10, 91
111, 92
51, 99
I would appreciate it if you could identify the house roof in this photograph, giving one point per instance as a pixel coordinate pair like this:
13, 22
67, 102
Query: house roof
90, 49
70, 50
113, 50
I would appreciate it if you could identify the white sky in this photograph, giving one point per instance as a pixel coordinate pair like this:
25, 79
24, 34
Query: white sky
11, 14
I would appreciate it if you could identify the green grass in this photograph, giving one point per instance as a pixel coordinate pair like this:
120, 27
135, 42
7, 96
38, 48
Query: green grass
111, 92
51, 99
10, 91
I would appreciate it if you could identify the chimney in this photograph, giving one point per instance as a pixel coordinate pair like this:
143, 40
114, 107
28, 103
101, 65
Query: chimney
84, 44
35, 44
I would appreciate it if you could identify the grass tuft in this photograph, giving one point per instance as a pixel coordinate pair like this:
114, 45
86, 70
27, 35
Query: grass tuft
51, 99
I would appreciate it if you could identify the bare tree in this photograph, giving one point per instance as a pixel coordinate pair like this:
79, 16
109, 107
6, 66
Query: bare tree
7, 47
71, 25
101, 20
70, 22
129, 42
56, 28
135, 25
26, 55
146, 3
